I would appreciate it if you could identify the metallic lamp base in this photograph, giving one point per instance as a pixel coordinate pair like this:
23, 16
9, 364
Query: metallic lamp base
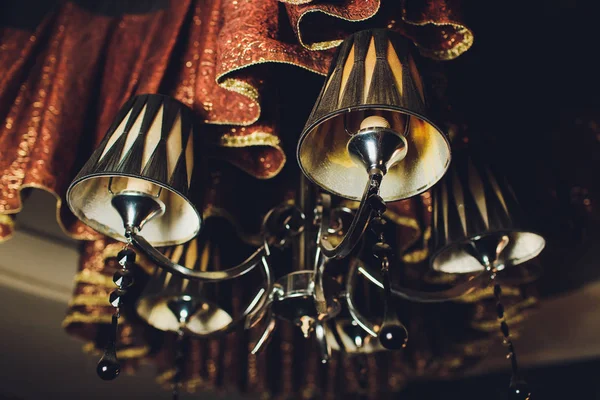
136, 208
377, 148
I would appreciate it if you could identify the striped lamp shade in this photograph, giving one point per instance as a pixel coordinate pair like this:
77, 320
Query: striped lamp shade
473, 207
148, 149
373, 74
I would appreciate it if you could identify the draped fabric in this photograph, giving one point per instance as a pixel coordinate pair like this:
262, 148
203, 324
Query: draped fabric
66, 71
65, 75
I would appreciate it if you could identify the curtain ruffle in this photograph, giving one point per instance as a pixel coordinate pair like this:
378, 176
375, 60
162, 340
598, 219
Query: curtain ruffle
64, 81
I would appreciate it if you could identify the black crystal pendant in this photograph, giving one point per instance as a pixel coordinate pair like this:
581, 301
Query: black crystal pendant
377, 203
108, 367
519, 390
393, 336
377, 225
126, 256
382, 250
116, 297
123, 278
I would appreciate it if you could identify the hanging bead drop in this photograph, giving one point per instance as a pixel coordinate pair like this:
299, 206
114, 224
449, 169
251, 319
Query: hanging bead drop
108, 367
179, 364
393, 334
518, 389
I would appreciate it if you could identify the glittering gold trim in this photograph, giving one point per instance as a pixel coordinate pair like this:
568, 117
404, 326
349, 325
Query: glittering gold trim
17, 210
254, 139
411, 223
330, 43
488, 293
89, 300
193, 384
449, 54
416, 256
165, 379
250, 91
190, 385
296, 2
8, 221
439, 278
122, 354
453, 362
94, 278
427, 234
222, 75
113, 249
78, 317
479, 348
512, 315
241, 87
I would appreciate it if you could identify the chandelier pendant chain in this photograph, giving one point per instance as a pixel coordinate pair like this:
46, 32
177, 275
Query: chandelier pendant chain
505, 329
393, 334
179, 363
108, 367
518, 389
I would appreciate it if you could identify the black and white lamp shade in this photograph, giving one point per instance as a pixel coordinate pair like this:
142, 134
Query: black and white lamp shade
148, 149
170, 302
470, 204
373, 74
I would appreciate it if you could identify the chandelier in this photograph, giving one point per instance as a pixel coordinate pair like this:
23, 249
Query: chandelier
368, 142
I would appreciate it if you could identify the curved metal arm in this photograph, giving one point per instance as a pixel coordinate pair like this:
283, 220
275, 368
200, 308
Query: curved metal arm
354, 313
321, 337
412, 295
256, 313
358, 225
265, 337
258, 302
491, 263
432, 297
208, 276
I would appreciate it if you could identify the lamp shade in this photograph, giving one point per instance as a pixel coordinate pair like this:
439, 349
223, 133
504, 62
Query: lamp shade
170, 302
149, 149
374, 75
471, 205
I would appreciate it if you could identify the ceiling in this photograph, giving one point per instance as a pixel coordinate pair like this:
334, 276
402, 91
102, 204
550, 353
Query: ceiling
36, 271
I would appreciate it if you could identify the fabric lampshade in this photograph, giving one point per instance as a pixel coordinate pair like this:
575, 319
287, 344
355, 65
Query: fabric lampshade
149, 149
472, 204
373, 74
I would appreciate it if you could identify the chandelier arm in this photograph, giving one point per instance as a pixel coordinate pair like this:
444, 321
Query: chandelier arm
319, 293
358, 225
354, 313
321, 338
257, 311
205, 276
323, 206
266, 335
453, 293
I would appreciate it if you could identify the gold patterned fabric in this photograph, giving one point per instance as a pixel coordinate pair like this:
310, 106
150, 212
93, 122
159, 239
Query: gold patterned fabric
436, 27
218, 57
231, 62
